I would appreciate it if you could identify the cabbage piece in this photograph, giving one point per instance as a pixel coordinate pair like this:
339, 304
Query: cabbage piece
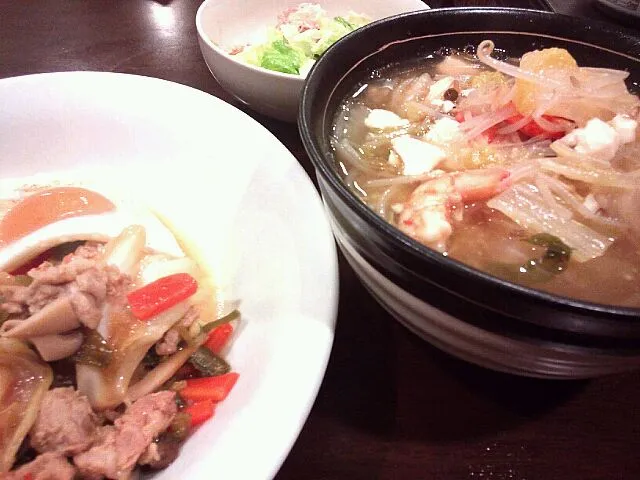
588, 172
302, 35
334, 29
280, 56
524, 204
24, 379
276, 53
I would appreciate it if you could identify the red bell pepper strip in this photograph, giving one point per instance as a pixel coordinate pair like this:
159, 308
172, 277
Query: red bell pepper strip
215, 388
490, 133
161, 295
200, 412
219, 337
532, 129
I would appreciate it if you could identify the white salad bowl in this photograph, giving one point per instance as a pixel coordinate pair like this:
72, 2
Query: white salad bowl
223, 24
258, 224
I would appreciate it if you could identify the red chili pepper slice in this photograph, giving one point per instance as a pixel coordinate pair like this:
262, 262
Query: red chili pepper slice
158, 296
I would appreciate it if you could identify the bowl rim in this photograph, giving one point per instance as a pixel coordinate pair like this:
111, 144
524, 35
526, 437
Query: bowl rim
393, 235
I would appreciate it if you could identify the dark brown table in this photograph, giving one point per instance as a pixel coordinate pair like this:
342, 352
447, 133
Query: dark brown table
391, 406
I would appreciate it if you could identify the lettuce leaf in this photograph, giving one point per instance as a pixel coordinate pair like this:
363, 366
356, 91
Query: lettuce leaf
281, 57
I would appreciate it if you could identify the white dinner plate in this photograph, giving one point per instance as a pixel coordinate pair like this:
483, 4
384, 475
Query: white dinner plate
235, 191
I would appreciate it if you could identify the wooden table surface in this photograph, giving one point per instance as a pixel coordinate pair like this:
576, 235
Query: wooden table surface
391, 406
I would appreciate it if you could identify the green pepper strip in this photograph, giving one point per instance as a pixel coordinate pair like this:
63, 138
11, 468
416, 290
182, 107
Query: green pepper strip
537, 269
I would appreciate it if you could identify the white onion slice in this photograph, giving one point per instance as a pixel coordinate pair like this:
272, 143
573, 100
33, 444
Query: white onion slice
523, 204
588, 173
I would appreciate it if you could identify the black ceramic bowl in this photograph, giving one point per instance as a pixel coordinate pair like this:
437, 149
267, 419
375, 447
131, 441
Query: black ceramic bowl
470, 314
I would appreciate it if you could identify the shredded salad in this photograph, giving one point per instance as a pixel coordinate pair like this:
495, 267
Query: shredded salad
302, 34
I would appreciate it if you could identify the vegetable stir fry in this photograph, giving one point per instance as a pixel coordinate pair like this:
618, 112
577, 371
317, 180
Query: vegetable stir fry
111, 352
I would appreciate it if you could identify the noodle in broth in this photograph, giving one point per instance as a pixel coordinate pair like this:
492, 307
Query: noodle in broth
526, 169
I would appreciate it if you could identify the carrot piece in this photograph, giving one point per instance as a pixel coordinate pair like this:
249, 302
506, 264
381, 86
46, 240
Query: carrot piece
158, 296
200, 412
215, 388
219, 337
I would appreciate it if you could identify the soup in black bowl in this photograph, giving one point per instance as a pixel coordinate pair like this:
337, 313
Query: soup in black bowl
481, 170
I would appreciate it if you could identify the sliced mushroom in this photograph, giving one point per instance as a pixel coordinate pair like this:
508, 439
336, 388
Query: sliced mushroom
56, 317
56, 347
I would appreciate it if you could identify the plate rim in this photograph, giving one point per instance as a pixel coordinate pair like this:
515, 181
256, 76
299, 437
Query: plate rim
331, 264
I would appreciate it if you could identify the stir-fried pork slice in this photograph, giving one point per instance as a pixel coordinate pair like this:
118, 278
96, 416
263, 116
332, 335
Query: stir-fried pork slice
93, 282
64, 272
80, 276
11, 299
24, 301
48, 466
102, 459
169, 343
65, 424
120, 446
39, 296
87, 308
90, 251
82, 259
